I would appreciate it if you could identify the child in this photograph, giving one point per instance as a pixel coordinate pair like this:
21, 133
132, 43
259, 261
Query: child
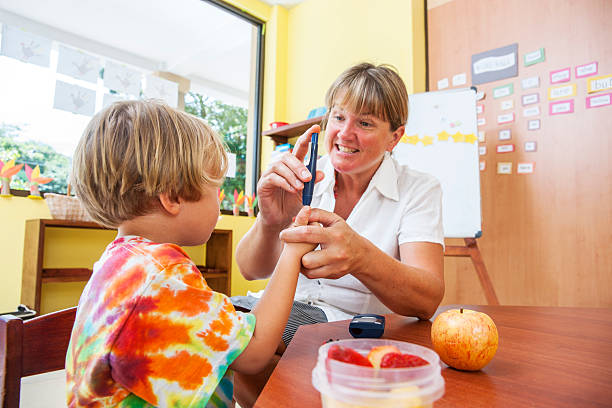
149, 332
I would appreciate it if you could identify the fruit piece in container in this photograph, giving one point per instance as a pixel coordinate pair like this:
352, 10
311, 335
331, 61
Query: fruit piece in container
347, 355
376, 354
399, 360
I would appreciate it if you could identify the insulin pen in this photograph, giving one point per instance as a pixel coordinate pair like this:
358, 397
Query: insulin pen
312, 167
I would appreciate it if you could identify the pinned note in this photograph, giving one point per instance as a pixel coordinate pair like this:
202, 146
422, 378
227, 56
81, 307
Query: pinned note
481, 136
561, 91
531, 82
533, 124
504, 168
531, 146
525, 168
503, 90
482, 150
459, 79
443, 83
505, 148
483, 165
505, 118
596, 101
586, 70
533, 111
530, 99
560, 75
504, 134
507, 104
600, 83
561, 107
534, 57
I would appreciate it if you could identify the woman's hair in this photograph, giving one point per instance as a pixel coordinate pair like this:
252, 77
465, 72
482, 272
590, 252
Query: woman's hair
133, 151
367, 88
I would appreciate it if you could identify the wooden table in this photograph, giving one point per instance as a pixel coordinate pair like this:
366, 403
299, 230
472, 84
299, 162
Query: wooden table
547, 357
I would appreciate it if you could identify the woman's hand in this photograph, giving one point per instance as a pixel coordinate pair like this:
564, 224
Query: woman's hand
340, 250
280, 187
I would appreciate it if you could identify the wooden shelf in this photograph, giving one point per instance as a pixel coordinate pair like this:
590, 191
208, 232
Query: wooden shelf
218, 260
281, 134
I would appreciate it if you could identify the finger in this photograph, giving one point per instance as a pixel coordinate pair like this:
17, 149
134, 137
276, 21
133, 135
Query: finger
320, 176
325, 272
277, 181
301, 145
283, 169
302, 217
326, 218
312, 234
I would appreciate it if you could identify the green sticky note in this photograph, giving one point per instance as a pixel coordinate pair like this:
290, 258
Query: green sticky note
503, 90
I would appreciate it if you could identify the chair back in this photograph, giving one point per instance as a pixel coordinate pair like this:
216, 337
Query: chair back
31, 347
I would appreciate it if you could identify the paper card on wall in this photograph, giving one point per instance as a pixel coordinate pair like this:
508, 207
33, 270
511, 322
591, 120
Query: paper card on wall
507, 104
481, 136
493, 65
531, 82
231, 165
481, 121
600, 83
525, 168
109, 99
482, 150
561, 107
504, 168
503, 90
505, 148
74, 98
459, 79
596, 101
530, 99
160, 88
560, 75
505, 118
531, 146
480, 96
587, 69
561, 91
483, 165
479, 109
533, 111
122, 79
78, 64
504, 134
25, 46
534, 57
533, 124
443, 83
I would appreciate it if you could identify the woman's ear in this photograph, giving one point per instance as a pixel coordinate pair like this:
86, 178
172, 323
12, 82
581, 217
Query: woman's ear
171, 205
395, 138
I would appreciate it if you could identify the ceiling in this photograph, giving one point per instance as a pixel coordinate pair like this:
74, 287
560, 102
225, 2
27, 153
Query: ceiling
190, 38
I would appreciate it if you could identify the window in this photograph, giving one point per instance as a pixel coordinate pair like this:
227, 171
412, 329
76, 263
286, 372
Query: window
61, 62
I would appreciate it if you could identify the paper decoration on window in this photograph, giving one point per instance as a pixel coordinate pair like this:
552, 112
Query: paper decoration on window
426, 140
504, 134
533, 111
443, 83
482, 150
525, 168
531, 82
504, 168
159, 88
122, 79
507, 104
561, 91
483, 165
503, 90
534, 57
505, 118
600, 83
505, 148
561, 107
78, 64
25, 46
493, 65
74, 98
231, 165
531, 146
459, 79
481, 136
533, 124
560, 75
587, 69
530, 99
596, 101
109, 99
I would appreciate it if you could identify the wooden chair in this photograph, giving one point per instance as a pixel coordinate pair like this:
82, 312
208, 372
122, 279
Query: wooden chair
31, 347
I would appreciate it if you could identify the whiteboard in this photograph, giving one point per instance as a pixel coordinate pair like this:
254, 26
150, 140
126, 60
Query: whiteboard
442, 139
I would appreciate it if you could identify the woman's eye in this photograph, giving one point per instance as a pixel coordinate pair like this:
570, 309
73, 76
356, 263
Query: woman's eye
366, 124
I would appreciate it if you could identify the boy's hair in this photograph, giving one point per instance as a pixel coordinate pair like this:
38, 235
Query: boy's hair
367, 88
133, 151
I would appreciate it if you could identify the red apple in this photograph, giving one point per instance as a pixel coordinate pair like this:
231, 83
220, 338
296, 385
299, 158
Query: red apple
464, 339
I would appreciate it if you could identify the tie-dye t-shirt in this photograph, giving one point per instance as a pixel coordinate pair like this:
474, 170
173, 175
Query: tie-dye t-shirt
149, 332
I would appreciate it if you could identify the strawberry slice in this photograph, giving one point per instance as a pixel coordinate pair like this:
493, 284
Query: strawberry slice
397, 360
347, 355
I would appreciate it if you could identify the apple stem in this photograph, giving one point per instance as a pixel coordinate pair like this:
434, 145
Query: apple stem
461, 310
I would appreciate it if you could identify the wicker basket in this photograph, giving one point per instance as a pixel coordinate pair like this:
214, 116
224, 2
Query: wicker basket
64, 207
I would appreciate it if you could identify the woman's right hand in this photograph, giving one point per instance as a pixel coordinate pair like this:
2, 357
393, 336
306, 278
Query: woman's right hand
280, 187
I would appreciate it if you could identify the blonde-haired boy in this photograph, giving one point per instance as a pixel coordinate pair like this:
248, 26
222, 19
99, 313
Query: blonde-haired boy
149, 331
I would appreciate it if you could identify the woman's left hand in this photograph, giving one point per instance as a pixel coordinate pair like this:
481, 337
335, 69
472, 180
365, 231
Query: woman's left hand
341, 246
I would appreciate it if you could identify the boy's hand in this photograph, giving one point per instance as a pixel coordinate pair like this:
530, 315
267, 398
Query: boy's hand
301, 219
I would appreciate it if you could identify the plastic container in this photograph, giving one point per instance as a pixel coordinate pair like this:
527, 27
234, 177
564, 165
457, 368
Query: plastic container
344, 385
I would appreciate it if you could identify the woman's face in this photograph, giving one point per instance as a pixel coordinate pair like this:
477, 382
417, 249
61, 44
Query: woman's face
357, 142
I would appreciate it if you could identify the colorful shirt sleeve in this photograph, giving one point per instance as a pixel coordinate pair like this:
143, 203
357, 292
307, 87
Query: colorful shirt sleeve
176, 346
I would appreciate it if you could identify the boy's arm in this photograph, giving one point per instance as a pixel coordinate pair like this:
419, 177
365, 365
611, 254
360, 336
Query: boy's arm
272, 311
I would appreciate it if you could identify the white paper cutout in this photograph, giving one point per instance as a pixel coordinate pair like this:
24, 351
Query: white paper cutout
531, 146
160, 88
524, 168
483, 165
533, 111
74, 98
482, 150
459, 79
504, 168
531, 82
504, 134
25, 46
481, 136
78, 64
533, 124
120, 78
443, 83
507, 104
